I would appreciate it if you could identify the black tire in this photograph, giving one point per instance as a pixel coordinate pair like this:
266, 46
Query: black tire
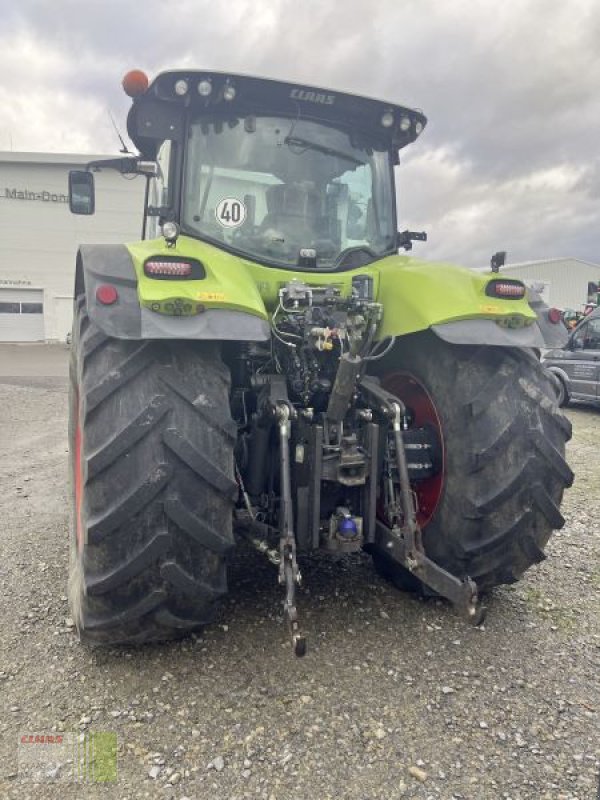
505, 471
562, 393
155, 489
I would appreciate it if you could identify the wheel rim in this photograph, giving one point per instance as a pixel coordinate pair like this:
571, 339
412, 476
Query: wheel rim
417, 399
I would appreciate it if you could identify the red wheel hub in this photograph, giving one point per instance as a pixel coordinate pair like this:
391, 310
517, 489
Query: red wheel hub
418, 401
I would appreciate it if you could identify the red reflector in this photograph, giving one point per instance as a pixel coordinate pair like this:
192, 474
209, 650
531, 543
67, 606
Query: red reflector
554, 315
178, 268
106, 294
505, 289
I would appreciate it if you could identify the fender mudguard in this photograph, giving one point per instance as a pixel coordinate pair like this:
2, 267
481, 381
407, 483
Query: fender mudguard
542, 335
453, 302
128, 319
555, 335
486, 331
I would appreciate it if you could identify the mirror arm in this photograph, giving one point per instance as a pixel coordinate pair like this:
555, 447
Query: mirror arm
126, 166
123, 165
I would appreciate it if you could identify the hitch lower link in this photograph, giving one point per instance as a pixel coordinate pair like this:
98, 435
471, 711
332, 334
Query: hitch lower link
289, 573
403, 544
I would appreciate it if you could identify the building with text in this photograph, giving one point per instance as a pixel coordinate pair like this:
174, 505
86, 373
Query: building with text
39, 238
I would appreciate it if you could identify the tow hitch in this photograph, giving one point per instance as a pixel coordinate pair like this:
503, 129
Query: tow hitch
289, 574
277, 409
403, 542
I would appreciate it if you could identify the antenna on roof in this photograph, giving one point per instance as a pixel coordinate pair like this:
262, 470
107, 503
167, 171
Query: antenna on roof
124, 148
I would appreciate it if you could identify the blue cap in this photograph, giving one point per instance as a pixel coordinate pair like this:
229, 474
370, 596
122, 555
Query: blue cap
347, 527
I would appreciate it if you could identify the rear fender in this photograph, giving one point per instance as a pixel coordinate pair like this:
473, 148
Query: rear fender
555, 334
541, 335
453, 303
128, 319
98, 265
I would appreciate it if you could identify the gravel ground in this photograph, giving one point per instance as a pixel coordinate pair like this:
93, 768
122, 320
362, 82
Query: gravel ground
397, 698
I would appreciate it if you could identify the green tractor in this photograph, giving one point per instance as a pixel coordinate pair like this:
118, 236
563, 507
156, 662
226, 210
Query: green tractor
264, 363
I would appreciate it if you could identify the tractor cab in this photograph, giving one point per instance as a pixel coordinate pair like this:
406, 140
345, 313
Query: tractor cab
278, 173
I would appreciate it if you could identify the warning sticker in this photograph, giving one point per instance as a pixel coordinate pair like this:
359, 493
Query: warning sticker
490, 309
230, 212
215, 297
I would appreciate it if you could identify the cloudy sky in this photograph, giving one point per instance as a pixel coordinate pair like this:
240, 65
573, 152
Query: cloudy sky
510, 157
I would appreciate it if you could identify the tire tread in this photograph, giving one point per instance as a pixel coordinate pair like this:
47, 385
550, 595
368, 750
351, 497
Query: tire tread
506, 472
158, 485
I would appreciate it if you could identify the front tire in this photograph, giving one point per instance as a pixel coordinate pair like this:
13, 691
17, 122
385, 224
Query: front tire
151, 440
562, 393
504, 467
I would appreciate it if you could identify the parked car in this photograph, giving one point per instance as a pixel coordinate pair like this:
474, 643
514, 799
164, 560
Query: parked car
577, 364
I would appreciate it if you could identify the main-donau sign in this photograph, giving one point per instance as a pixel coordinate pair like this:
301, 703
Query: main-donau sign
26, 194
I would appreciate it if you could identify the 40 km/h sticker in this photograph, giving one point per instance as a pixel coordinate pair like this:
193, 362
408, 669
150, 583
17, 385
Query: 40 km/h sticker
230, 213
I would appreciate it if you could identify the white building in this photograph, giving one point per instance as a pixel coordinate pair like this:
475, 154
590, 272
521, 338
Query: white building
39, 238
565, 279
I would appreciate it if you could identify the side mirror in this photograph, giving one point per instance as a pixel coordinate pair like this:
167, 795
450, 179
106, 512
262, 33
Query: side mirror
82, 196
406, 238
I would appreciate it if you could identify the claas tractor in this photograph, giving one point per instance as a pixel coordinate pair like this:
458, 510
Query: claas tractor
264, 365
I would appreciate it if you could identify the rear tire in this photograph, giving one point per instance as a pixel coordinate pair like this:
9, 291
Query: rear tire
504, 474
151, 441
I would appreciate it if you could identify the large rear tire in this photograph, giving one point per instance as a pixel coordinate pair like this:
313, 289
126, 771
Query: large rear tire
151, 440
504, 468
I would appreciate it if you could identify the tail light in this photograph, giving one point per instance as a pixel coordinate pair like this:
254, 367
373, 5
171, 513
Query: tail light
507, 290
178, 269
173, 268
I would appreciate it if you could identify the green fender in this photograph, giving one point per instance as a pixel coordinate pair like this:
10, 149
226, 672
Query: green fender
235, 297
452, 301
134, 315
227, 283
418, 295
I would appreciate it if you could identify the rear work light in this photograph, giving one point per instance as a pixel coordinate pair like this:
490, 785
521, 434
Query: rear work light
508, 290
173, 268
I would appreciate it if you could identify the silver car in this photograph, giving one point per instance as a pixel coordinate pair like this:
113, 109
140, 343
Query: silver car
577, 365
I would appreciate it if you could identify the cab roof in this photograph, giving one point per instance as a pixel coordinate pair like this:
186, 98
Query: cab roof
160, 112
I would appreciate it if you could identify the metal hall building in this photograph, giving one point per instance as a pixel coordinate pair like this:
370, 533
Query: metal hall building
39, 238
